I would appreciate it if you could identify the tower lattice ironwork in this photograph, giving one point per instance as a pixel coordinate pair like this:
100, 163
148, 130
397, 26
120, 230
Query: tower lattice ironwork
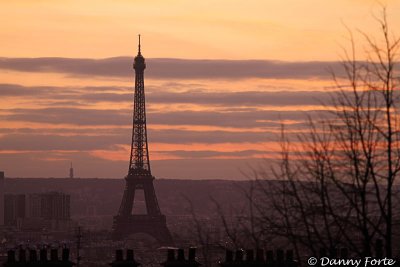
139, 174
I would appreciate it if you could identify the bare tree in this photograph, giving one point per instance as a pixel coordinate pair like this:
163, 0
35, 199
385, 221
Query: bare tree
337, 180
238, 227
203, 236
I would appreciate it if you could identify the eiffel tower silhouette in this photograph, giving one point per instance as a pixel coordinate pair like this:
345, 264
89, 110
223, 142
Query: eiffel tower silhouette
139, 175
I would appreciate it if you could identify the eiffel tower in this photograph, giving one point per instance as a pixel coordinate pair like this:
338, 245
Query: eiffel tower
139, 175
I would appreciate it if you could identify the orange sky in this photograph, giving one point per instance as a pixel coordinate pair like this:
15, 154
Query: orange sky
228, 29
208, 123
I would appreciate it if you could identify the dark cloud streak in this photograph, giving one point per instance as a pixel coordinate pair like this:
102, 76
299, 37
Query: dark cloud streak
250, 98
228, 99
210, 153
37, 141
75, 116
172, 68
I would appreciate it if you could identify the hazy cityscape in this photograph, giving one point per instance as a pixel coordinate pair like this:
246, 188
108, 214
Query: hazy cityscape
67, 204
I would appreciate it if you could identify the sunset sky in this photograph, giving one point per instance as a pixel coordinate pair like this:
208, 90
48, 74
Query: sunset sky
221, 77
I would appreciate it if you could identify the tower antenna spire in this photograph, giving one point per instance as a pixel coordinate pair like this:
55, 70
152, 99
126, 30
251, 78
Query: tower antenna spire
139, 45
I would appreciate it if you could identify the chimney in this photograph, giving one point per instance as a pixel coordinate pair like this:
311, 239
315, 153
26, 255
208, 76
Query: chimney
322, 252
54, 255
280, 255
289, 255
192, 254
260, 255
239, 255
344, 253
181, 254
229, 255
333, 253
119, 255
170, 255
379, 248
129, 255
43, 254
270, 255
249, 255
65, 254
32, 255
11, 256
22, 255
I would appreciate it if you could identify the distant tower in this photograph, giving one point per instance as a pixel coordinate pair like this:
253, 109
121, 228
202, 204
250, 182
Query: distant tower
71, 171
1, 198
139, 174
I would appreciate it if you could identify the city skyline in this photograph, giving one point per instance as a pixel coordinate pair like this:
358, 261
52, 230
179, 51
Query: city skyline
220, 79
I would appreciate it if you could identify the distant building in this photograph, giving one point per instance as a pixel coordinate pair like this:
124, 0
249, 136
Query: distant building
49, 206
14, 209
48, 211
1, 198
34, 209
37, 211
71, 171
